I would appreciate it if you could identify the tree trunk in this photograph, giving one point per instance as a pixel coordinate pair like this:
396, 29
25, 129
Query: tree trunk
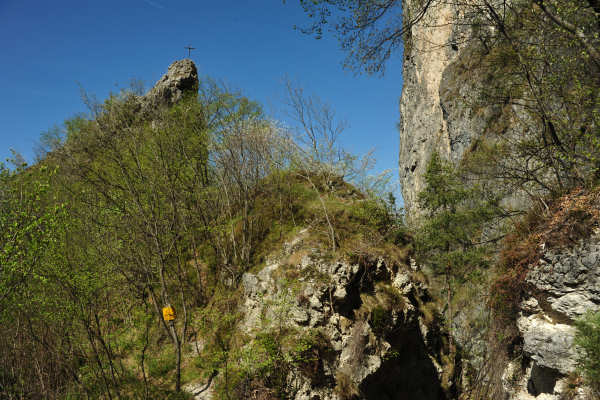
178, 355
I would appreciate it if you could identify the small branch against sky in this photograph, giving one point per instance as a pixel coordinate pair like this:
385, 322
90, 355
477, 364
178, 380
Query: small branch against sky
154, 4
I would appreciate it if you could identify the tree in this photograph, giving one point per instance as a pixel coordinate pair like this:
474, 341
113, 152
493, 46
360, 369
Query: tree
30, 232
451, 239
369, 31
171, 189
140, 178
587, 340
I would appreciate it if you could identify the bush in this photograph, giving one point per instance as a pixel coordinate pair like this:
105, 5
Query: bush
161, 366
587, 340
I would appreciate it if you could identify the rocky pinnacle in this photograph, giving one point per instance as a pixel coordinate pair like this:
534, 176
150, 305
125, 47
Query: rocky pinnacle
181, 77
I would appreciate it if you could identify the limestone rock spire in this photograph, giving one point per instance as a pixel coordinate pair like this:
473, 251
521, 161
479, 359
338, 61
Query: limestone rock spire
181, 77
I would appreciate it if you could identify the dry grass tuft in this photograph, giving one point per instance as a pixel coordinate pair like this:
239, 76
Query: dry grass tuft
345, 387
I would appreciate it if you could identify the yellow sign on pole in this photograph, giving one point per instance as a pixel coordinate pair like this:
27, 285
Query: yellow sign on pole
168, 313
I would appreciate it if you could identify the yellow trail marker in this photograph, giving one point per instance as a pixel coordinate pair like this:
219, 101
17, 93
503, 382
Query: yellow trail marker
168, 313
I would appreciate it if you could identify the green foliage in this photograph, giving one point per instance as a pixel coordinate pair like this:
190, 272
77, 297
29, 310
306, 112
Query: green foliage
455, 240
371, 212
32, 228
29, 229
380, 319
160, 367
451, 239
539, 79
587, 340
130, 209
144, 199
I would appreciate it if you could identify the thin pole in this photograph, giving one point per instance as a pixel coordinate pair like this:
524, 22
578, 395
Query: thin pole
189, 49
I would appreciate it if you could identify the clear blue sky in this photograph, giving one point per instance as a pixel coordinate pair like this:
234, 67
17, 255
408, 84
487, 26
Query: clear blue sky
48, 47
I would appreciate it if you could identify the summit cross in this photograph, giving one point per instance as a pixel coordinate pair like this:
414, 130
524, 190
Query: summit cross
189, 49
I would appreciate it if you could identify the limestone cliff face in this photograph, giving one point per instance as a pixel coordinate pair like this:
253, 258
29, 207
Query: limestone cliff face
432, 118
436, 118
428, 53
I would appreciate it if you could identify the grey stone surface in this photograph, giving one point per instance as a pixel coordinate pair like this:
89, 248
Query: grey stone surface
570, 279
328, 299
535, 382
549, 344
199, 391
182, 76
440, 107
564, 286
327, 295
423, 124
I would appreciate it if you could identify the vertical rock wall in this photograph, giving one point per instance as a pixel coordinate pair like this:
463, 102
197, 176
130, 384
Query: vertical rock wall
436, 117
433, 115
562, 287
428, 52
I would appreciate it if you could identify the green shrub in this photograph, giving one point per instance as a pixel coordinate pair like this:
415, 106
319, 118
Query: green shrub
380, 319
162, 365
587, 339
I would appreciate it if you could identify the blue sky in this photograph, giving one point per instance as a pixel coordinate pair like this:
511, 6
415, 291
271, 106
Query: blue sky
50, 47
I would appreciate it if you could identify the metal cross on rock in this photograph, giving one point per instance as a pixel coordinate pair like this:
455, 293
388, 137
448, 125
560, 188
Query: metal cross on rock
189, 49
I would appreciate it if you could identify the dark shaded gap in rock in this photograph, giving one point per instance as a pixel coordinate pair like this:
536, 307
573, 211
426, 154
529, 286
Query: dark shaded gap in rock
362, 282
409, 374
542, 380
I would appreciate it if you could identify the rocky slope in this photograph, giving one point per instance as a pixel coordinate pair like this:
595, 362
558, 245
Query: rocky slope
181, 77
562, 287
380, 340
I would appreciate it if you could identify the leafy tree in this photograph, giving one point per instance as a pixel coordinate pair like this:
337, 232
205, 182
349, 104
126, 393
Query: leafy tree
30, 233
140, 178
167, 191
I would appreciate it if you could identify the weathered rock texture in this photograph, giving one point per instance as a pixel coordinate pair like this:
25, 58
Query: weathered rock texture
430, 48
440, 107
404, 361
181, 77
402, 357
437, 115
563, 286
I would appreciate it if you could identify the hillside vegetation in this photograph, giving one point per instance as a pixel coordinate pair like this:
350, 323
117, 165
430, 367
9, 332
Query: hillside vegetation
134, 209
139, 206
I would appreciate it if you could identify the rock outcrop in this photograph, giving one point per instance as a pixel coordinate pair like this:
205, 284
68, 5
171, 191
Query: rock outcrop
380, 343
181, 77
563, 287
440, 108
400, 360
437, 115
